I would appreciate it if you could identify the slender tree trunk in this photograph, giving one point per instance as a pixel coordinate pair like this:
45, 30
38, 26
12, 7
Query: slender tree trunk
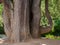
47, 14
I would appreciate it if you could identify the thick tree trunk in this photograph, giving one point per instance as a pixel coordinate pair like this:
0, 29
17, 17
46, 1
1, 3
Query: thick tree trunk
23, 21
16, 23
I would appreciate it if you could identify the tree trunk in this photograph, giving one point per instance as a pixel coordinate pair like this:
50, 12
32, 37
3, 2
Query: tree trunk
22, 19
7, 18
36, 9
47, 14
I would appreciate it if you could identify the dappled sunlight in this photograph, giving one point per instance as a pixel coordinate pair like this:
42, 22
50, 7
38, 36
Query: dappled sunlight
1, 40
44, 44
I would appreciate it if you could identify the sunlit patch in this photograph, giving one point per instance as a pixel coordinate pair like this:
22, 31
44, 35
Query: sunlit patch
44, 44
1, 41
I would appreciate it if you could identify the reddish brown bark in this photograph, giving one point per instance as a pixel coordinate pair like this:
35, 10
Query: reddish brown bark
36, 9
7, 18
22, 19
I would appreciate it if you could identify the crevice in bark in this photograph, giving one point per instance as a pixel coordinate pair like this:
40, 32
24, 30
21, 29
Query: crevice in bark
30, 15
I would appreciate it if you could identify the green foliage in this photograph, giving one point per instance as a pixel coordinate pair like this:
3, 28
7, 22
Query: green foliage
1, 21
54, 8
49, 36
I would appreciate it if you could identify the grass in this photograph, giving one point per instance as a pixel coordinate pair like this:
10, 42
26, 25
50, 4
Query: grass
49, 36
1, 10
1, 21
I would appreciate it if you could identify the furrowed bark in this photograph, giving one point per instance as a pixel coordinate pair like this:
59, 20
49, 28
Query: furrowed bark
7, 18
36, 18
12, 20
22, 16
25, 30
21, 21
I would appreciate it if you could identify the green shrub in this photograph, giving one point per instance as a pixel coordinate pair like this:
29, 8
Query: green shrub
1, 21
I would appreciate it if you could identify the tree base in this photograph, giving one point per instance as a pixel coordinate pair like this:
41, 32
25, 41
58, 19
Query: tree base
36, 42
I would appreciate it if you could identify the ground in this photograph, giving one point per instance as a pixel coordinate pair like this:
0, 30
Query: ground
42, 41
34, 42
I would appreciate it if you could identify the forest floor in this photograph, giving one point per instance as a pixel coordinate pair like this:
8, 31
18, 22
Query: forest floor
42, 41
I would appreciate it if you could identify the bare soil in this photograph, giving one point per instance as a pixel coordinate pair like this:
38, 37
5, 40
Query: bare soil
35, 42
